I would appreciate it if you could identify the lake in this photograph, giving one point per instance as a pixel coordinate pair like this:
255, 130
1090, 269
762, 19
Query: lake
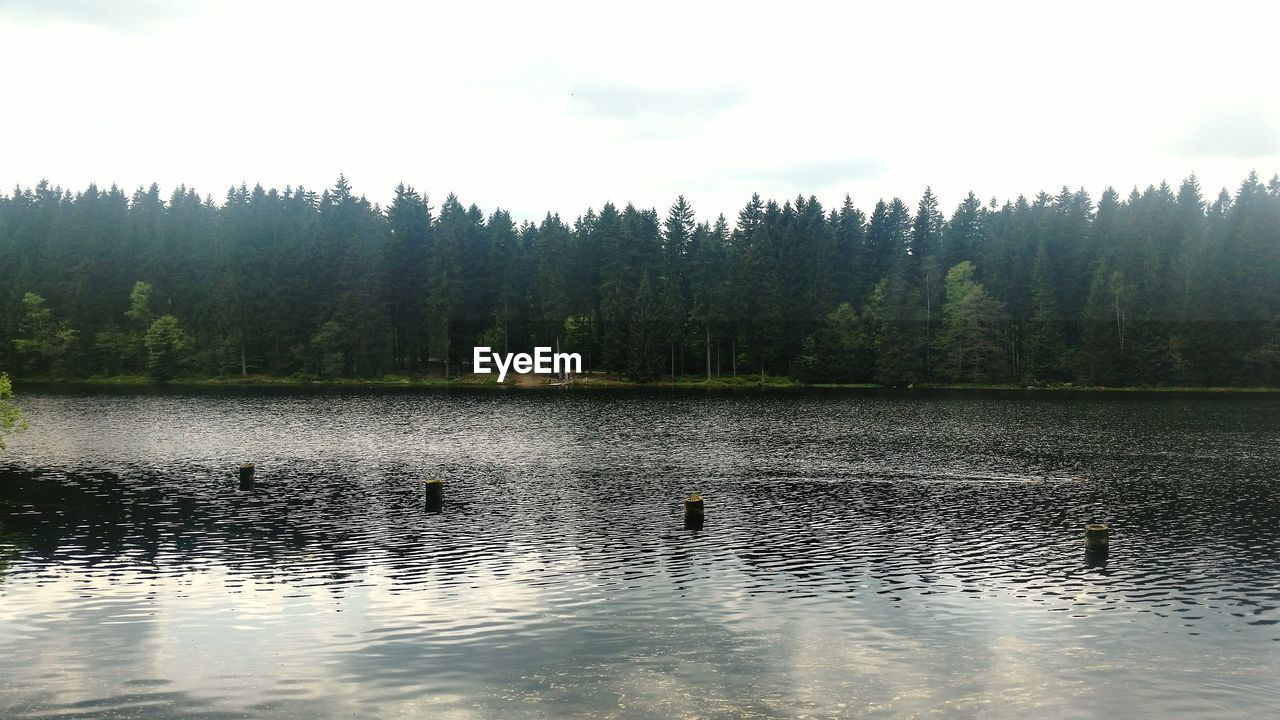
864, 554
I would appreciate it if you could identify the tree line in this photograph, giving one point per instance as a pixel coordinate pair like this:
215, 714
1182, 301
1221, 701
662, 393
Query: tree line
1159, 287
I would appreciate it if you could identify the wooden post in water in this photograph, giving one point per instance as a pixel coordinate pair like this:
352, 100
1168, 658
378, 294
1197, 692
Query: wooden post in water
434, 494
246, 476
1096, 537
693, 508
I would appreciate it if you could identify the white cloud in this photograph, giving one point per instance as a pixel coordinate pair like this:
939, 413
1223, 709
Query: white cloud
561, 106
121, 15
1233, 132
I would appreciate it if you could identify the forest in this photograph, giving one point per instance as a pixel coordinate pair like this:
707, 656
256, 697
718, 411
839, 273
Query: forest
1159, 287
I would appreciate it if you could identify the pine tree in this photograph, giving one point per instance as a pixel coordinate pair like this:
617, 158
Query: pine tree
45, 341
1156, 287
965, 235
409, 247
1100, 351
972, 322
167, 348
926, 228
644, 356
445, 296
1047, 359
895, 312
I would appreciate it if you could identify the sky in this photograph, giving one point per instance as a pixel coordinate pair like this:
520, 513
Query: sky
558, 106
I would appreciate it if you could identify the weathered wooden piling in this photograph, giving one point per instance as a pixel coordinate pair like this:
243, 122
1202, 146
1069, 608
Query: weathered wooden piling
1096, 537
246, 476
693, 506
693, 516
434, 494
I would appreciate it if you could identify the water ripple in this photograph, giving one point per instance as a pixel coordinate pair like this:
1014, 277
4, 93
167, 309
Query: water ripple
863, 555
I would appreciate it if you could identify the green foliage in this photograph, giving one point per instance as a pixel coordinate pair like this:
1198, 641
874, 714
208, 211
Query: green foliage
140, 305
839, 352
45, 341
1048, 359
327, 346
1158, 286
11, 419
117, 350
647, 336
972, 324
1266, 357
894, 313
494, 336
1103, 325
579, 336
168, 348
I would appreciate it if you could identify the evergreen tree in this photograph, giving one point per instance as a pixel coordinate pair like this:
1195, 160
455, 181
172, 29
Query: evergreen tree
972, 322
1154, 287
644, 356
1100, 350
45, 341
445, 295
965, 235
1047, 359
926, 228
852, 262
409, 246
840, 352
894, 313
327, 345
140, 317
167, 348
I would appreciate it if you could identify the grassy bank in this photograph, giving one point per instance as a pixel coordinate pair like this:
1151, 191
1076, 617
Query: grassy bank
469, 380
596, 380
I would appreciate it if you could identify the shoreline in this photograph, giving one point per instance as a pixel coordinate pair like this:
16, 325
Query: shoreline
602, 381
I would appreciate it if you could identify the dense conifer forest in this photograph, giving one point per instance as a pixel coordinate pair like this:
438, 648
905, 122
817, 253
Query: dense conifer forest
1162, 286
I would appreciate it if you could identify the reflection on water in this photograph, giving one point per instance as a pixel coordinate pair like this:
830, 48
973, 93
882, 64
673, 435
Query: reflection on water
869, 554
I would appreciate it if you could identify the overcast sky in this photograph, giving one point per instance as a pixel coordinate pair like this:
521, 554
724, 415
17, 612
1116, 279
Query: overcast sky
536, 106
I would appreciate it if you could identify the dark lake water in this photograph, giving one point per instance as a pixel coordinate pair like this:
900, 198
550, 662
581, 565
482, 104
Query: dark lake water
864, 554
